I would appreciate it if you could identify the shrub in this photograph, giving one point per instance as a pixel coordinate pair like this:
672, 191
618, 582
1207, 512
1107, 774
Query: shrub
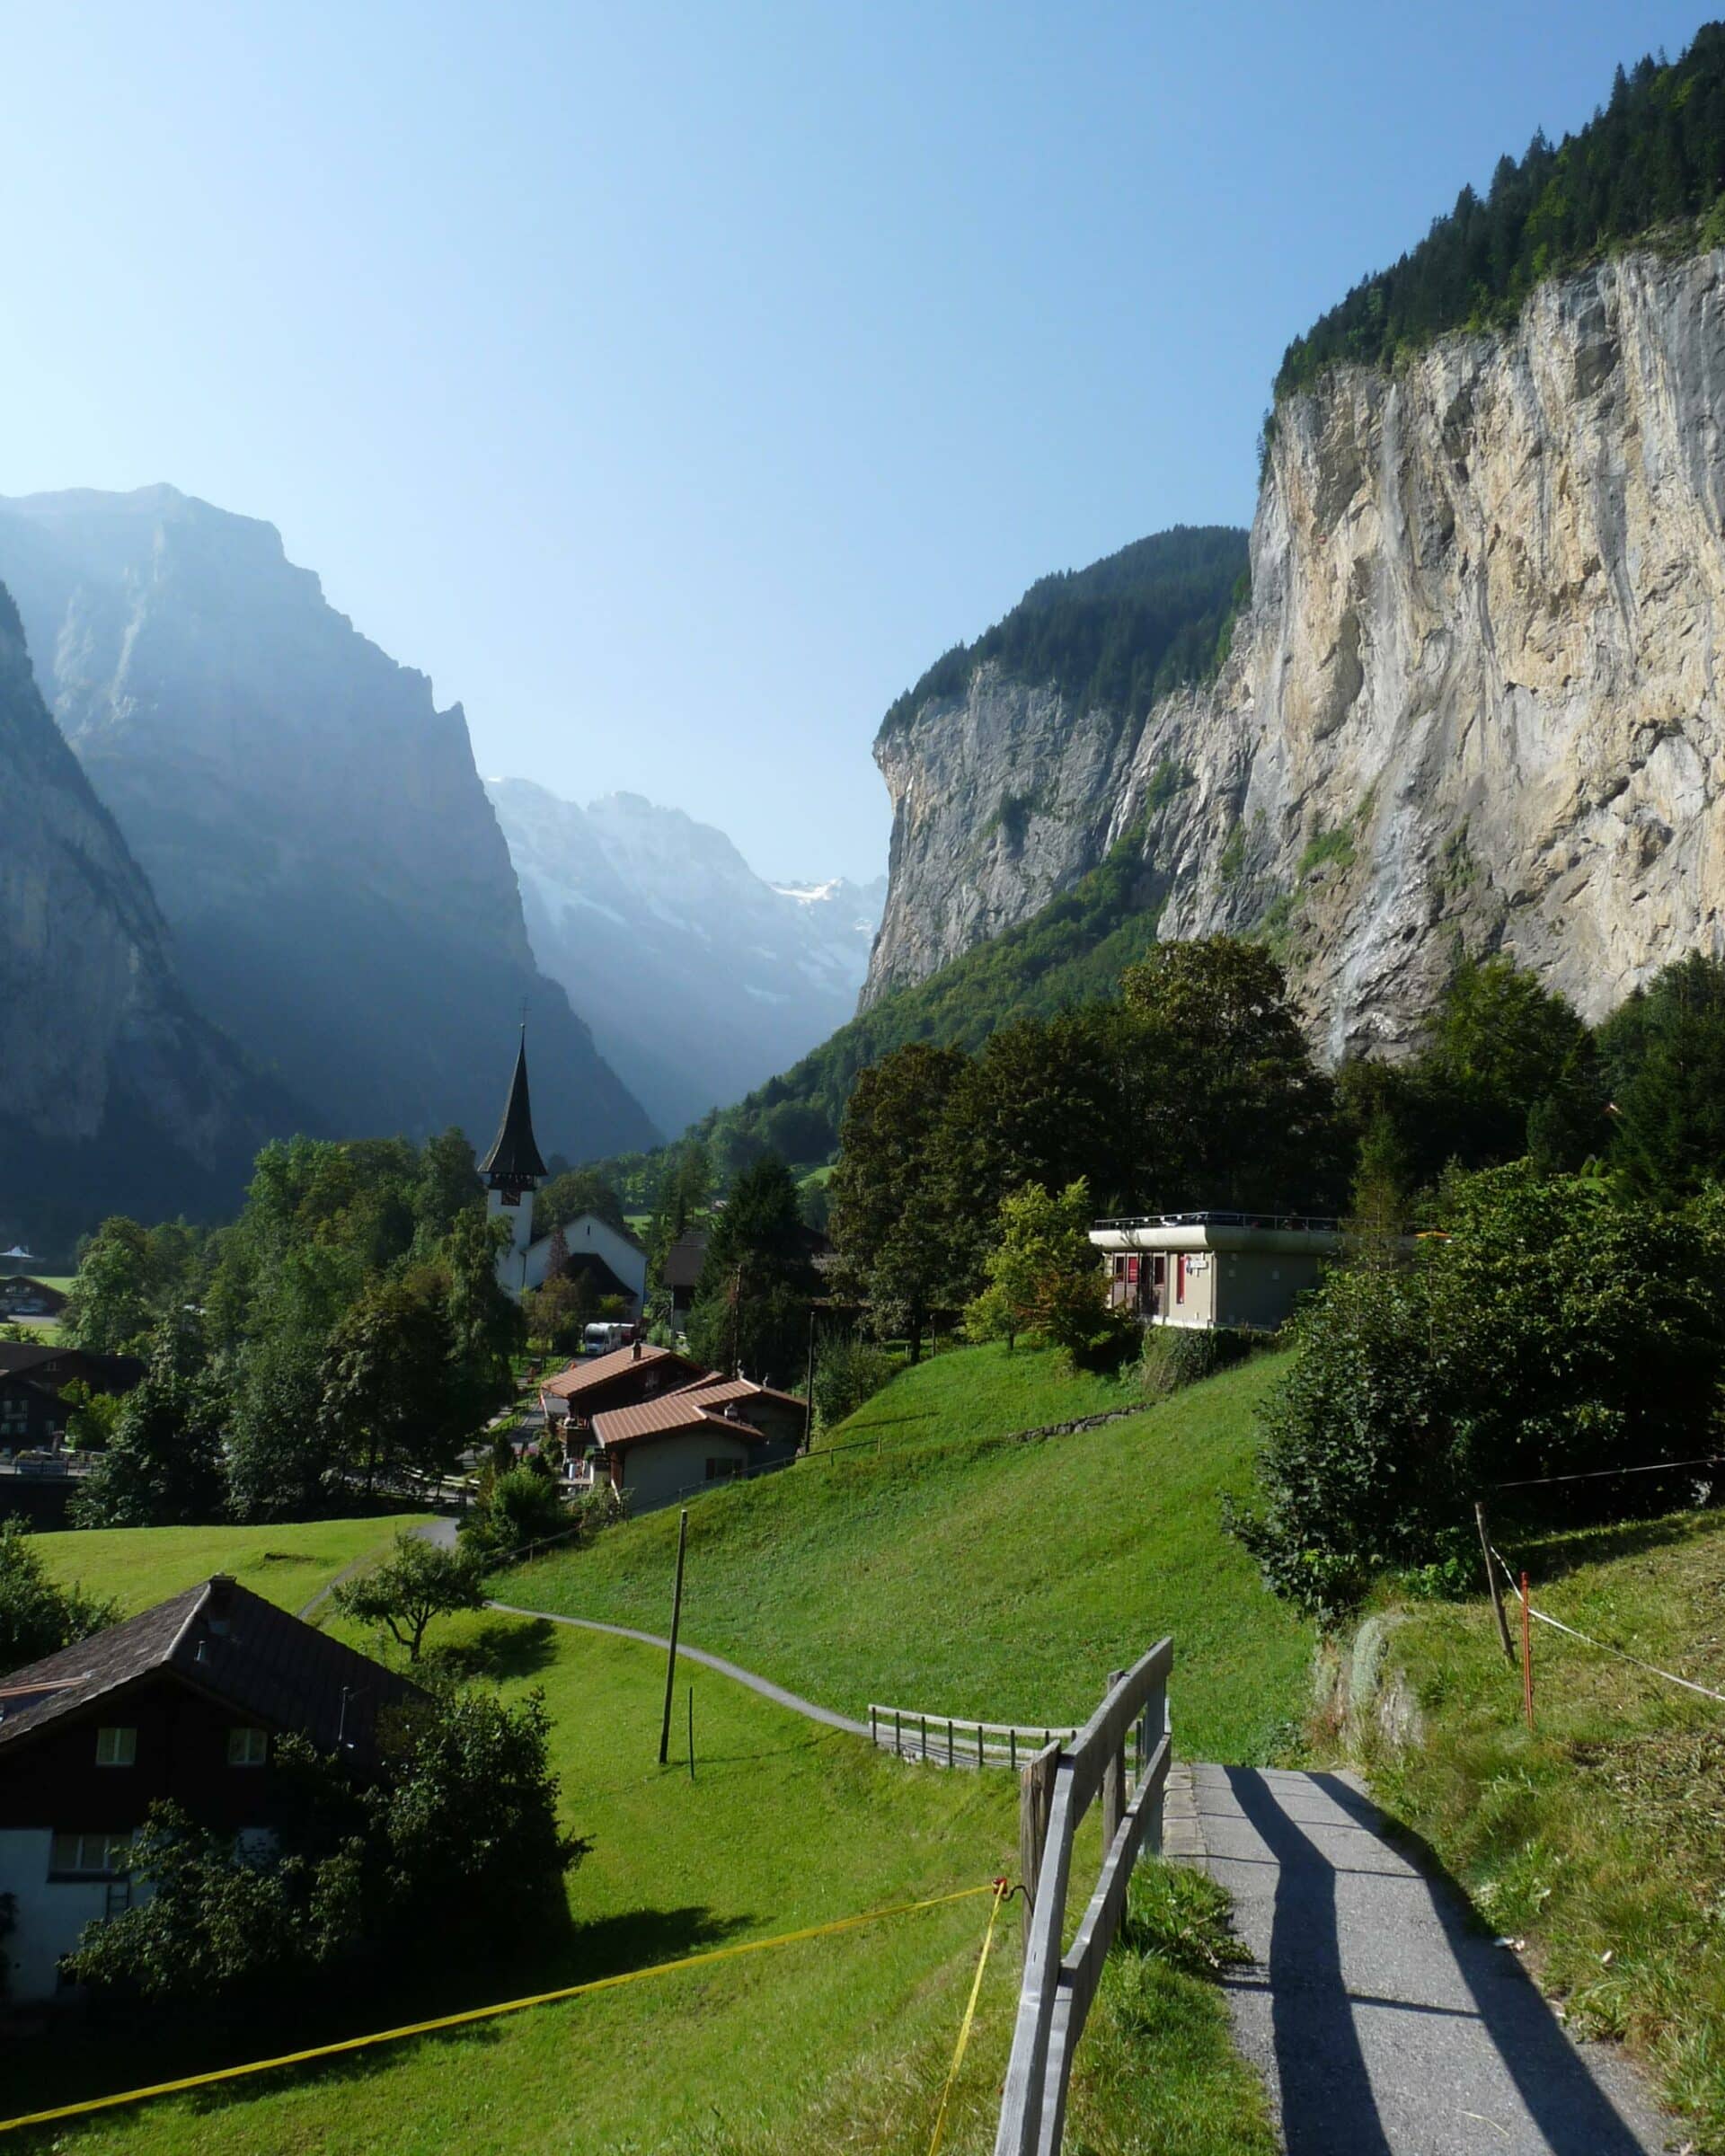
454, 1847
847, 1372
1174, 1356
515, 1509
38, 1616
1551, 1331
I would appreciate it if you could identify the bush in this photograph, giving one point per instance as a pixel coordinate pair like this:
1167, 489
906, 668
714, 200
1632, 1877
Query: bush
515, 1509
38, 1616
847, 1372
1551, 1331
1174, 1356
456, 1847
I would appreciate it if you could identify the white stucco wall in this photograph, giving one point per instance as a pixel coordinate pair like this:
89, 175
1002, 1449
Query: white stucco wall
511, 1263
587, 1232
51, 1913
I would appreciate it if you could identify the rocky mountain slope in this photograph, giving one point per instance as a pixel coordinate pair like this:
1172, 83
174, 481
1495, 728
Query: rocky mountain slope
114, 1094
699, 979
341, 896
1474, 700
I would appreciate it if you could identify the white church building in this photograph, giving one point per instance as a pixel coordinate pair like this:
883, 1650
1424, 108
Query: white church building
614, 1263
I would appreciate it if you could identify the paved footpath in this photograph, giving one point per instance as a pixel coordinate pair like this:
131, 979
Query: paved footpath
1384, 2023
767, 1688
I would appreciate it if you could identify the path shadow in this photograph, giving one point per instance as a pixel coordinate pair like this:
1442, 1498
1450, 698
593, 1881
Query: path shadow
1567, 2104
1327, 2099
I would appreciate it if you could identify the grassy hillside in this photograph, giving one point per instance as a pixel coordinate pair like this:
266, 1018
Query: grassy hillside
836, 2042
287, 1565
1600, 1837
960, 1572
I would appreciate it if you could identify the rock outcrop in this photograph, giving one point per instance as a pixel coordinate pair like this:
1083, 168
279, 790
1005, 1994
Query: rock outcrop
1474, 701
115, 1096
340, 896
699, 979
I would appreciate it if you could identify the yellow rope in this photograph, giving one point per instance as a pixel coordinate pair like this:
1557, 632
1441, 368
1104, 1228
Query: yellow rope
1000, 1891
508, 2006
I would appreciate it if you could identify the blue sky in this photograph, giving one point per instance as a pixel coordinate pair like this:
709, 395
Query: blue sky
673, 383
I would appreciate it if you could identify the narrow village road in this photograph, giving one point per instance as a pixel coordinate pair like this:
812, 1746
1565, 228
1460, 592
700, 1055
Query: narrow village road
1384, 2021
763, 1685
441, 1529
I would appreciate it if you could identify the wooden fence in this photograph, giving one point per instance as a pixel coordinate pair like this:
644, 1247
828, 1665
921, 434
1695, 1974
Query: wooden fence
1058, 1787
945, 1741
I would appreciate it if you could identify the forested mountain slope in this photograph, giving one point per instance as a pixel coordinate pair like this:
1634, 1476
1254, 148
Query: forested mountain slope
341, 896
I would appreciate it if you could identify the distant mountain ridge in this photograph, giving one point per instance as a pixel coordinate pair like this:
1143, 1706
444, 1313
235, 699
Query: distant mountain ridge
340, 895
114, 1093
699, 978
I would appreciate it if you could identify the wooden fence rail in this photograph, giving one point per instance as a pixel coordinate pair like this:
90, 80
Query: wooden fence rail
946, 1740
1057, 1788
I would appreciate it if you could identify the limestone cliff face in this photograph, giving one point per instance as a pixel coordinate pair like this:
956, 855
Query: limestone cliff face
113, 1092
1475, 699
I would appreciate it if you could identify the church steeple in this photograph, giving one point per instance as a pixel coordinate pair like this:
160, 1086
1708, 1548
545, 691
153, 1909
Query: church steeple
513, 1164
513, 1170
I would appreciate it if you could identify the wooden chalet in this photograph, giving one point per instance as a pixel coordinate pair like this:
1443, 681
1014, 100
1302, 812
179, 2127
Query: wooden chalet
185, 1701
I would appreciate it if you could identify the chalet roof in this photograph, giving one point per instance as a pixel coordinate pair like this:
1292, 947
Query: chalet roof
514, 1157
600, 1369
718, 1389
226, 1642
37, 1359
666, 1417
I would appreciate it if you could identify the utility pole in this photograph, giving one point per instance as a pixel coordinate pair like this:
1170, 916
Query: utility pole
808, 1428
676, 1617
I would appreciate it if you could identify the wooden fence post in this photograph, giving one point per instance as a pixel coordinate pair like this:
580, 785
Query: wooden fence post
1114, 1779
1035, 1794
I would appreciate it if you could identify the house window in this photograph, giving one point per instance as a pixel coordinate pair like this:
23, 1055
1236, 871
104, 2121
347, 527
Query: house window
721, 1470
248, 1747
88, 1856
15, 1417
1180, 1279
116, 1747
1132, 1272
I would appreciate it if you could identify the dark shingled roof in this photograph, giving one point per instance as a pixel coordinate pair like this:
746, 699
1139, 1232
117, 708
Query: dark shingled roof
231, 1645
53, 1363
514, 1158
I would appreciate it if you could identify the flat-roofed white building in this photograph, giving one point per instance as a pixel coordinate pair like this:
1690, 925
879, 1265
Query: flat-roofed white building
1238, 1271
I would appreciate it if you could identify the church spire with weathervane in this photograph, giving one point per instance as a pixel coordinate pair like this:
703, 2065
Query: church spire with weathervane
513, 1170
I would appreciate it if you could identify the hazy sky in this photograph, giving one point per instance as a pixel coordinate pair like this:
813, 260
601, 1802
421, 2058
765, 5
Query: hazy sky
673, 385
